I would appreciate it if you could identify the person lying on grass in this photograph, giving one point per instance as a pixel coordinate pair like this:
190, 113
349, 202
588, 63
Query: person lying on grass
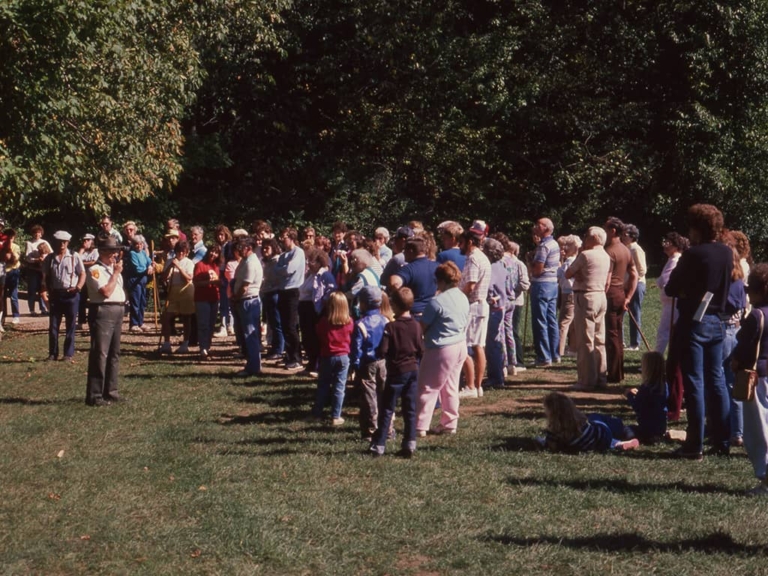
570, 431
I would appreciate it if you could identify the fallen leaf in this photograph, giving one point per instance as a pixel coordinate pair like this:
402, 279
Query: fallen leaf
202, 488
60, 454
171, 477
146, 468
85, 537
54, 496
196, 553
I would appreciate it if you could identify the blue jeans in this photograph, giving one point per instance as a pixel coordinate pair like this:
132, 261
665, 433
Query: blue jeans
63, 305
636, 308
737, 408
226, 316
12, 291
34, 283
137, 297
398, 386
546, 333
704, 382
333, 374
615, 425
277, 341
206, 320
250, 322
494, 348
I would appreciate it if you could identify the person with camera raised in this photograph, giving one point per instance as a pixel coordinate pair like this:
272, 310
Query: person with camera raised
107, 297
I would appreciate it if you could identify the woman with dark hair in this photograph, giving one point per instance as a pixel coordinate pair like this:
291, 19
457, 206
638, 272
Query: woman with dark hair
207, 285
226, 253
673, 245
701, 282
33, 262
270, 250
444, 322
751, 348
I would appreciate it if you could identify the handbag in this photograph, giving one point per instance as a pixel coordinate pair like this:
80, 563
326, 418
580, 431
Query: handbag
746, 380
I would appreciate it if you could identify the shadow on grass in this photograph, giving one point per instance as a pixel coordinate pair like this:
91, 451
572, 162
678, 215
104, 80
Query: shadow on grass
622, 486
715, 543
518, 444
37, 402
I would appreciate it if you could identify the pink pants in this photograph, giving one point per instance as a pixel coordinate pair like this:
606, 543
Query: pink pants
439, 374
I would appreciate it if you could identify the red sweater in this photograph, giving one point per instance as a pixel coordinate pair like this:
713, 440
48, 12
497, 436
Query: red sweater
334, 340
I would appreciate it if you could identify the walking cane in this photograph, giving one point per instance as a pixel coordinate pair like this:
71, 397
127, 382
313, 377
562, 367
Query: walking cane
631, 317
155, 296
525, 323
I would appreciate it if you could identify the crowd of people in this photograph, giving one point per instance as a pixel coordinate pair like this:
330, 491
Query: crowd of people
411, 317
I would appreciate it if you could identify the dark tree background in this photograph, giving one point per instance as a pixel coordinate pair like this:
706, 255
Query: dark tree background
380, 111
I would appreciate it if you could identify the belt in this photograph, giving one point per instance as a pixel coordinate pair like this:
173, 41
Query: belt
107, 304
249, 298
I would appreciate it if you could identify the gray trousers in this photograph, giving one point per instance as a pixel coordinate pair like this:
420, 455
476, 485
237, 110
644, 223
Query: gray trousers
106, 323
370, 378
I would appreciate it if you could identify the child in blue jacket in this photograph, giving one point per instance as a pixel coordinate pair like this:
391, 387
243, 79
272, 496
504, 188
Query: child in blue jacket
370, 369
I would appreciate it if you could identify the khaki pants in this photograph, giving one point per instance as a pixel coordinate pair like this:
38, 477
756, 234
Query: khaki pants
589, 333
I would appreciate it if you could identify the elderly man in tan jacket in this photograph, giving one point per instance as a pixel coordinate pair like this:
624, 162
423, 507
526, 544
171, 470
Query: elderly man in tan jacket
590, 273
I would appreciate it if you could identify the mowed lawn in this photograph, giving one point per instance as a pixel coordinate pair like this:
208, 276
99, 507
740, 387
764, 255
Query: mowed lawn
201, 473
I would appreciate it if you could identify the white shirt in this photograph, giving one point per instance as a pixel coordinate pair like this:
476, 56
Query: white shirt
98, 277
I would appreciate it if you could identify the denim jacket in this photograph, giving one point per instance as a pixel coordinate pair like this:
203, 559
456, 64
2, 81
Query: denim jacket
366, 338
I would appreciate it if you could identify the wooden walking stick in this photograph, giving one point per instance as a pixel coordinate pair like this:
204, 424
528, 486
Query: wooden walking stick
645, 341
155, 296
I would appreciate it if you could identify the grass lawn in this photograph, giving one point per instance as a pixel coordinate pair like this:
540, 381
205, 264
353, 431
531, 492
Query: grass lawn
201, 473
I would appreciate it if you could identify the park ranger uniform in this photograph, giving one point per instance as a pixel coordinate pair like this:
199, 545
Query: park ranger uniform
105, 315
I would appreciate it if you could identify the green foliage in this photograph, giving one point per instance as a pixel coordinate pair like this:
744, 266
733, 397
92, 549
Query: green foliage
90, 99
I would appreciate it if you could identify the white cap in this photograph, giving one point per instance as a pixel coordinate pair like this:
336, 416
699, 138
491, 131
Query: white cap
89, 237
63, 236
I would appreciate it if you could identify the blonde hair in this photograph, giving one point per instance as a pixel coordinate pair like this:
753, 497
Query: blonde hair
564, 420
652, 369
338, 309
386, 307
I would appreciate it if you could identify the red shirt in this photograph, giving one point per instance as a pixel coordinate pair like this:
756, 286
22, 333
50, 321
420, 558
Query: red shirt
334, 340
210, 292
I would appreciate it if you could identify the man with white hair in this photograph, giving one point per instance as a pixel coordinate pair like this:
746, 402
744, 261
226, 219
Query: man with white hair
546, 261
590, 273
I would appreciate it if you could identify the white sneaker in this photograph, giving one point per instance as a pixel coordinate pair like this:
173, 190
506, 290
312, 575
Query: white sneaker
421, 433
183, 349
337, 422
15, 320
222, 333
468, 393
134, 329
520, 368
480, 392
231, 331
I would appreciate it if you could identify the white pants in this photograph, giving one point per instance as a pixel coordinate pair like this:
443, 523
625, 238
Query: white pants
665, 322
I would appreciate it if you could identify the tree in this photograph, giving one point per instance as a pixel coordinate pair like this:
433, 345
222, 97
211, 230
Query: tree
91, 93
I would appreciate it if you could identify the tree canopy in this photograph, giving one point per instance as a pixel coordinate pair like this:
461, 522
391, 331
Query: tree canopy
378, 111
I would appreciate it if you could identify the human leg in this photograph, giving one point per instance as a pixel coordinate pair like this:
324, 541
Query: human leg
340, 370
553, 330
366, 384
510, 350
756, 429
636, 308
614, 345
277, 340
565, 321
716, 394
70, 305
408, 404
324, 380
539, 323
393, 389
288, 306
517, 322
250, 315
112, 371
494, 346
54, 324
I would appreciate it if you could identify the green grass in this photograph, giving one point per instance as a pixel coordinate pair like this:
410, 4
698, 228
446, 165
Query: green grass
204, 474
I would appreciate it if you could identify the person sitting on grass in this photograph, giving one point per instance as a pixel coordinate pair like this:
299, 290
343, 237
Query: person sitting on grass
366, 362
402, 346
181, 297
571, 432
334, 330
650, 400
